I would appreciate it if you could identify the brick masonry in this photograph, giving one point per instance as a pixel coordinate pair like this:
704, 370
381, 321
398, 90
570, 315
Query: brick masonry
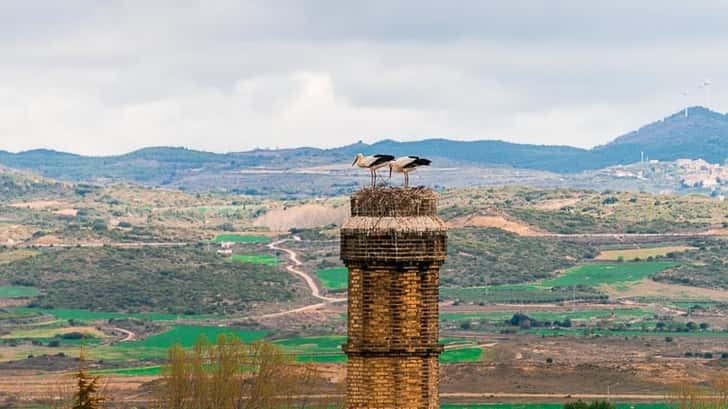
393, 245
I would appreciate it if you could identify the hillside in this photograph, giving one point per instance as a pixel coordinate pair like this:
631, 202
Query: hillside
703, 134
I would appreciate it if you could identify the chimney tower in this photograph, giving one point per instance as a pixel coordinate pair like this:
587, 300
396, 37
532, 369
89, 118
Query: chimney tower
393, 246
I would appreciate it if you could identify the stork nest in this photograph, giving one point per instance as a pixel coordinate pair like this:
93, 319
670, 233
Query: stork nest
394, 202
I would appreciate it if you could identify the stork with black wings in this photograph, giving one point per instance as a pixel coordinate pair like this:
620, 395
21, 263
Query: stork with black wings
373, 163
407, 165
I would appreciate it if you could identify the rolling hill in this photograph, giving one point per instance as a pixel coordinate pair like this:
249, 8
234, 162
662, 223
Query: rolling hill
702, 134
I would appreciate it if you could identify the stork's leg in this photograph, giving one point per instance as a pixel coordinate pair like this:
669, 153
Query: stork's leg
374, 177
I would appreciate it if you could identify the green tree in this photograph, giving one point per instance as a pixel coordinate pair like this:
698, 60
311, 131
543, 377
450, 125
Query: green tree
230, 374
580, 404
89, 393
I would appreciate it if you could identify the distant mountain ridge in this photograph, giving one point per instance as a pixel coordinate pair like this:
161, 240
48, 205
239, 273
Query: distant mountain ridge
703, 134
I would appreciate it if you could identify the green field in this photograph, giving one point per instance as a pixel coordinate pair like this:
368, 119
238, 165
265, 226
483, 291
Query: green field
315, 349
640, 253
452, 356
254, 259
587, 278
187, 335
328, 349
18, 292
617, 274
156, 346
237, 238
334, 278
85, 315
135, 371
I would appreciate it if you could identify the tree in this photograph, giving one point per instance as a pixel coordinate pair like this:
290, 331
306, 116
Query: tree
599, 404
82, 391
689, 396
89, 394
230, 374
580, 404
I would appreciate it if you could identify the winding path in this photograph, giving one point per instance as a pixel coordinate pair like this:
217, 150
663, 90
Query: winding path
293, 268
128, 335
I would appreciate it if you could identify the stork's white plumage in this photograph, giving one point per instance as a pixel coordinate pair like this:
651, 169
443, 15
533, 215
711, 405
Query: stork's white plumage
372, 162
407, 165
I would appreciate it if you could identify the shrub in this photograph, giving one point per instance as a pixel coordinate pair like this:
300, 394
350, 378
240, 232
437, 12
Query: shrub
576, 405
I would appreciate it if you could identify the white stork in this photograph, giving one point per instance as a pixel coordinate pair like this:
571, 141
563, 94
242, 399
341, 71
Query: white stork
406, 165
372, 162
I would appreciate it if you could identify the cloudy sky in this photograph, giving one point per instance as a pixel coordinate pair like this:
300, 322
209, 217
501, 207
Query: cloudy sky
112, 76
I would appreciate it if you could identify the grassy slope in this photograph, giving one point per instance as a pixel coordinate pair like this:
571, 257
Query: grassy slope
179, 280
237, 238
334, 278
619, 274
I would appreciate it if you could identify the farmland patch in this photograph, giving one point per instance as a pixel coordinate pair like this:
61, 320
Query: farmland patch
18, 292
334, 278
641, 253
239, 238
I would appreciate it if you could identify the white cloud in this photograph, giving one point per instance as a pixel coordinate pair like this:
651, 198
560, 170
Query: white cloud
102, 78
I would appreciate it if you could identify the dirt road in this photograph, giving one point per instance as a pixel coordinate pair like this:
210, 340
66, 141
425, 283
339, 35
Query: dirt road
128, 335
293, 268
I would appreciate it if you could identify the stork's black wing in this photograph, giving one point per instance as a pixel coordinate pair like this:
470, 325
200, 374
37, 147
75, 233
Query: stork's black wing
382, 159
417, 162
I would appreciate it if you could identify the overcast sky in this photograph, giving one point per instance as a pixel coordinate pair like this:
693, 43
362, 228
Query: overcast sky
105, 77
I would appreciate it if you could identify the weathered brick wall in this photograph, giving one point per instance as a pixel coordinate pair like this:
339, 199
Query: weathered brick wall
393, 245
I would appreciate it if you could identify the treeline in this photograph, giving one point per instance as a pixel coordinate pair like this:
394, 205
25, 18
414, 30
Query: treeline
704, 267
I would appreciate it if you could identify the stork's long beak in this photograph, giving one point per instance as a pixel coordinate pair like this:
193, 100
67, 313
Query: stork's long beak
355, 160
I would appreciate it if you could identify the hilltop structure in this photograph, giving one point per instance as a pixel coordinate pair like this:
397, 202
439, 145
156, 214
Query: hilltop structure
393, 245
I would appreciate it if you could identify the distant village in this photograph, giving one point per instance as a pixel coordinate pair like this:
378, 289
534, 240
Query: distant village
682, 174
699, 173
